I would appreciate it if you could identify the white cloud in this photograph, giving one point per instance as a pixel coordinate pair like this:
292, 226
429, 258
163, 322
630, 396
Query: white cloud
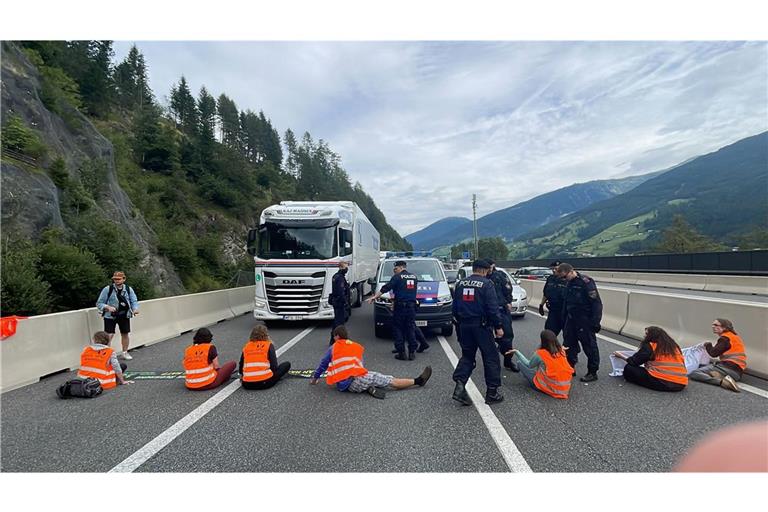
430, 123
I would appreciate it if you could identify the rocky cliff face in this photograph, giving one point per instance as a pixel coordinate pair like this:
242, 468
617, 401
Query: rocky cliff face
30, 199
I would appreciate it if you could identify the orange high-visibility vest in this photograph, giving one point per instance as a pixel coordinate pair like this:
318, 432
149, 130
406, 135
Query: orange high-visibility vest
95, 364
736, 354
199, 372
554, 378
669, 368
346, 361
256, 361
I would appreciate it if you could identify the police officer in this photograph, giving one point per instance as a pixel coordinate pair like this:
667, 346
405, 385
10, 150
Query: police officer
476, 310
503, 287
554, 298
403, 285
583, 312
339, 297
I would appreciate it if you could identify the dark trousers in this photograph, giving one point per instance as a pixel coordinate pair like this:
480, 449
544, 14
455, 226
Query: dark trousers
555, 320
640, 376
278, 374
505, 342
404, 326
420, 338
471, 338
340, 317
577, 332
222, 375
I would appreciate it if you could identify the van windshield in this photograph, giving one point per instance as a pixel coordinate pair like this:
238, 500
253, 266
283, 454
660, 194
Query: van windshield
425, 270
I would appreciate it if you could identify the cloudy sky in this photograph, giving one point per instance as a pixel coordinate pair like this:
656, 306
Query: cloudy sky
424, 125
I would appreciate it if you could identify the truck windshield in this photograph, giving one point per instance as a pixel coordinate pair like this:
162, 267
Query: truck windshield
425, 270
277, 241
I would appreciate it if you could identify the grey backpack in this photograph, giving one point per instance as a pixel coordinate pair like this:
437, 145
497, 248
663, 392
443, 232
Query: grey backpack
80, 388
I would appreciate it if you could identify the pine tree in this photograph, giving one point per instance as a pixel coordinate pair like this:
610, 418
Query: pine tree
681, 237
206, 106
229, 121
184, 108
291, 163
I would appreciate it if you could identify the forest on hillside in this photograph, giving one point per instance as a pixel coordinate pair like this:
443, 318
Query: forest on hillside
195, 168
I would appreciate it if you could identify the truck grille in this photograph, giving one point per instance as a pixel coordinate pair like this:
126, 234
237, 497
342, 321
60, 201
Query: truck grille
293, 294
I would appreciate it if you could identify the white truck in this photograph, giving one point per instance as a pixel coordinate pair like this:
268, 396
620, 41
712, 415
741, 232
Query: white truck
297, 248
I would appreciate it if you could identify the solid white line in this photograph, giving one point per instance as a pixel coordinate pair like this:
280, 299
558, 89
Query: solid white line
144, 453
512, 456
745, 387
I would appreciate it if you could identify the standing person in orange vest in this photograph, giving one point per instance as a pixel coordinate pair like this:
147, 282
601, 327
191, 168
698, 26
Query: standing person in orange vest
99, 361
201, 363
344, 362
258, 362
663, 359
733, 358
548, 370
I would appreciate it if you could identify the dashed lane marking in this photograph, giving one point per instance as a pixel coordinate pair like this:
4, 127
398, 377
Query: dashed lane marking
512, 456
745, 387
144, 453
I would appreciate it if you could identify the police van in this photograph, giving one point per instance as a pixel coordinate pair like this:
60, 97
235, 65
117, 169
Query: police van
433, 295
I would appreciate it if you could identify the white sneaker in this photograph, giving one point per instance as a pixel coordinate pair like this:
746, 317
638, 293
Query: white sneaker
126, 356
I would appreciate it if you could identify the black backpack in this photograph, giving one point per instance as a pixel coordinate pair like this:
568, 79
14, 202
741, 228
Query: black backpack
80, 388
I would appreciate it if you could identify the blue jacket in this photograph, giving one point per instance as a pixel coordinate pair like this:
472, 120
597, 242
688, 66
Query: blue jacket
474, 300
102, 301
403, 286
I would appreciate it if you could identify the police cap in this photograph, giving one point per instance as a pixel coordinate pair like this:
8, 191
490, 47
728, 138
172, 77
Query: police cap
400, 263
555, 263
480, 264
490, 261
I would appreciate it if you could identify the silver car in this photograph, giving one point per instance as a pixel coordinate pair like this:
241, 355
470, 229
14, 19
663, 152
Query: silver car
519, 295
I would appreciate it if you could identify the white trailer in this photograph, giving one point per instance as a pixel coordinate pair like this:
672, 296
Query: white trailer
297, 248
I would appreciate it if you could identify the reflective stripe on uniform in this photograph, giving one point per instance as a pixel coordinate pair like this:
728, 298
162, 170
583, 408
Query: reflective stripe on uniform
201, 370
256, 374
96, 370
341, 369
256, 365
201, 379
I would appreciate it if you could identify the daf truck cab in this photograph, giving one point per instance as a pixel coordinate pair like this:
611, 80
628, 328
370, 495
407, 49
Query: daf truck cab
297, 248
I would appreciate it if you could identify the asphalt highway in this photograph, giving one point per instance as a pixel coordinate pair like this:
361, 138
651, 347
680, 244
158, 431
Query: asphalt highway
159, 426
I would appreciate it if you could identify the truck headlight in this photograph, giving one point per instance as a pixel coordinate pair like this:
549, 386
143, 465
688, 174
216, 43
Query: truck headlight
259, 304
383, 300
444, 299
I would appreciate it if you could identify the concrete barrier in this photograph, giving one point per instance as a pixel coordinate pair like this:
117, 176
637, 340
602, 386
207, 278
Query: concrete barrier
156, 322
241, 299
688, 320
534, 289
615, 306
757, 285
682, 281
43, 345
202, 309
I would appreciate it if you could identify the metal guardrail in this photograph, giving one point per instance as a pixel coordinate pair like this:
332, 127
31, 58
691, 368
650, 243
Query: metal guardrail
21, 157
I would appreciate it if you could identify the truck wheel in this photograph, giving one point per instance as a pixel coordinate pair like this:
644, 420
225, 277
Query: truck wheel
357, 295
447, 331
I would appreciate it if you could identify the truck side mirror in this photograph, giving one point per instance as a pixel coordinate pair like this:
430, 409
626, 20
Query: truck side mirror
372, 281
252, 237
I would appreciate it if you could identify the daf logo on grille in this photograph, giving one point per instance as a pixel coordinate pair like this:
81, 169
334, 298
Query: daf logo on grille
293, 281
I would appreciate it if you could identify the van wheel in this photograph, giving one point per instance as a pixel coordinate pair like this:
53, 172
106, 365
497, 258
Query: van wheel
447, 331
381, 331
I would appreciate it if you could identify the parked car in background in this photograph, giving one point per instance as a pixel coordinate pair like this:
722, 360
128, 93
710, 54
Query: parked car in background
519, 295
537, 273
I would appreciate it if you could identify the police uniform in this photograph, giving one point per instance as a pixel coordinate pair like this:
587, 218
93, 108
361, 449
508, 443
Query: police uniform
554, 295
583, 312
476, 311
503, 288
339, 299
403, 287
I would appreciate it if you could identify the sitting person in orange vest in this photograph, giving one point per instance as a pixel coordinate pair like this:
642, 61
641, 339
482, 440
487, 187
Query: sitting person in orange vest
344, 362
548, 370
201, 363
664, 362
258, 362
99, 361
733, 357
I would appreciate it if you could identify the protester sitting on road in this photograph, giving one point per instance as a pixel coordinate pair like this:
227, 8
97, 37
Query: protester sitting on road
548, 370
733, 357
258, 362
201, 363
664, 362
99, 361
344, 362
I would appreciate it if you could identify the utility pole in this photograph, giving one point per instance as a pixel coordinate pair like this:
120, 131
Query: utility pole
474, 224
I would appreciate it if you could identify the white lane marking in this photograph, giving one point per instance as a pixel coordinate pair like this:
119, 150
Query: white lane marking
512, 456
746, 387
143, 454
